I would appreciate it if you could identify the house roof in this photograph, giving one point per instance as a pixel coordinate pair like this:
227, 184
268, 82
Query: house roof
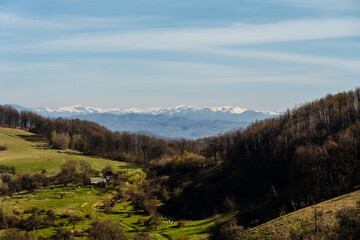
97, 180
109, 173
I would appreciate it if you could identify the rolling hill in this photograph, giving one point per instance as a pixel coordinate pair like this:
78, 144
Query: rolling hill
30, 153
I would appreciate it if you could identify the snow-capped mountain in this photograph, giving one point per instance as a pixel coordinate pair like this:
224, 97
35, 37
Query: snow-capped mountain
178, 110
174, 122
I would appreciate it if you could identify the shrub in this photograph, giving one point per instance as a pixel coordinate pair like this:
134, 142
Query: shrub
142, 236
155, 221
230, 204
62, 234
183, 237
142, 221
16, 234
3, 148
107, 230
150, 206
181, 224
226, 231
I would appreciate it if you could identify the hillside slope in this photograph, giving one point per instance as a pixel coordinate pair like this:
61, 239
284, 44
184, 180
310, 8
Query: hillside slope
297, 219
30, 153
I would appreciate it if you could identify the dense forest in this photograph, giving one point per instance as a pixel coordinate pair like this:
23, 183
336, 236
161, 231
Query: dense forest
306, 155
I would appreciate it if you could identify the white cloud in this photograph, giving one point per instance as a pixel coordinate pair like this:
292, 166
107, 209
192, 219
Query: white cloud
68, 22
336, 5
290, 57
189, 39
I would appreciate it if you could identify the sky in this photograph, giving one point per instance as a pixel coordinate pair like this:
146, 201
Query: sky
255, 54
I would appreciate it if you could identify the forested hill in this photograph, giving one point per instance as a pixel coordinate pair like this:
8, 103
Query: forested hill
304, 156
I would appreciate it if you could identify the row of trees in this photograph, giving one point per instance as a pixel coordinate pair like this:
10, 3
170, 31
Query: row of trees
93, 139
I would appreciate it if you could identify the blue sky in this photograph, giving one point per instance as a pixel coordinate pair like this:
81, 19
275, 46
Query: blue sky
257, 54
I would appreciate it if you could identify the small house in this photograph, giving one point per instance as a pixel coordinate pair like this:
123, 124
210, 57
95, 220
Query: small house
108, 175
97, 181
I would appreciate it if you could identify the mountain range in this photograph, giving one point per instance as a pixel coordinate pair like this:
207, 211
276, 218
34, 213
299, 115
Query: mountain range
170, 123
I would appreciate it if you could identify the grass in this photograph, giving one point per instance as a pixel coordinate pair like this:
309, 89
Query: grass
30, 153
294, 220
80, 201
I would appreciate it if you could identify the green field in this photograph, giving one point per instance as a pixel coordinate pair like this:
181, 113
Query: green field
82, 201
30, 153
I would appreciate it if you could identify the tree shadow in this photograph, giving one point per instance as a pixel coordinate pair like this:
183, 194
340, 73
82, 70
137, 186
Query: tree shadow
41, 142
32, 138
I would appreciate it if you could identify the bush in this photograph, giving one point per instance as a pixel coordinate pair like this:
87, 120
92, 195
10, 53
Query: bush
150, 206
3, 148
142, 221
62, 234
107, 230
181, 224
142, 236
16, 234
183, 237
227, 231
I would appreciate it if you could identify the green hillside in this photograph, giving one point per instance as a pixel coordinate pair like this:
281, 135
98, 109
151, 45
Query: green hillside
303, 219
30, 153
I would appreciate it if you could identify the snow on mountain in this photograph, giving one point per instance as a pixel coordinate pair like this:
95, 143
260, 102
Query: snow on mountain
174, 122
80, 110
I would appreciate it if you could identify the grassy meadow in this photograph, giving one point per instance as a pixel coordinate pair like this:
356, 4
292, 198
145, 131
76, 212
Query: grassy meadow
30, 153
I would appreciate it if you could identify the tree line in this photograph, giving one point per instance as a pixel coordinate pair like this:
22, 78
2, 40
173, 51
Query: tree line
93, 139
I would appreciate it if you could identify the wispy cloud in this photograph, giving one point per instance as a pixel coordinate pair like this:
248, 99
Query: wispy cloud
325, 4
187, 39
290, 57
12, 21
224, 41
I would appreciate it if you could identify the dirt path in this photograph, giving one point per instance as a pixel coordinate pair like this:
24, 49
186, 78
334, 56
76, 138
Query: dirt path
94, 206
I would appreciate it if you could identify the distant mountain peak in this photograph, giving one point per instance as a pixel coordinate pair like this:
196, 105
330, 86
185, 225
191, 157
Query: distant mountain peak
80, 109
183, 121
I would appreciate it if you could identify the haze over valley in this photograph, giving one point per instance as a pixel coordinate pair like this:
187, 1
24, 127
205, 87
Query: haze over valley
169, 123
